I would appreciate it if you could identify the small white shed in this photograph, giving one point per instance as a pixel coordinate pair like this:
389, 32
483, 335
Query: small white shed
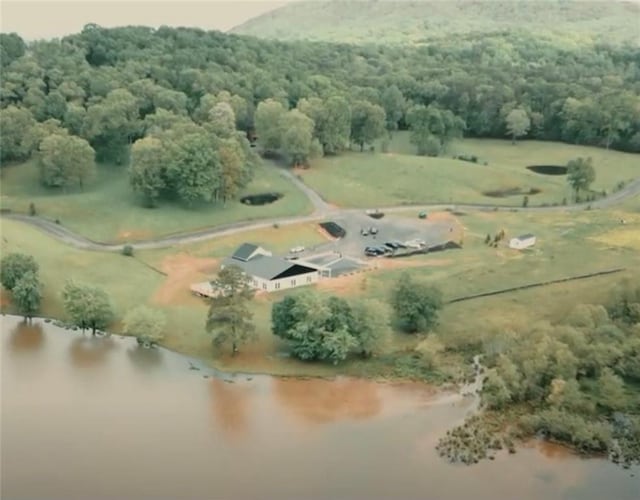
524, 241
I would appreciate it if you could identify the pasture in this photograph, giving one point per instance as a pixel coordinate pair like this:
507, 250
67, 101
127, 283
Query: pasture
568, 244
108, 210
400, 177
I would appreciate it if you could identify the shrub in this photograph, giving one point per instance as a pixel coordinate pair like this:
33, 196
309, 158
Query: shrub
127, 250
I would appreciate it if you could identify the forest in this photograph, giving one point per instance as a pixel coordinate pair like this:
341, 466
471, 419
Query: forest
132, 92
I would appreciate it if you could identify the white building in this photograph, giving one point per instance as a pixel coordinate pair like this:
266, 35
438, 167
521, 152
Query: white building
271, 273
521, 242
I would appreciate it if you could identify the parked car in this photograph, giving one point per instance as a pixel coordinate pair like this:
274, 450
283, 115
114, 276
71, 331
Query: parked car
364, 232
375, 251
423, 215
373, 230
297, 250
392, 245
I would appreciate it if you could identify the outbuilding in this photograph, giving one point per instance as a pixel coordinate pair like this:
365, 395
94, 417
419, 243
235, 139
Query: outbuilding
521, 242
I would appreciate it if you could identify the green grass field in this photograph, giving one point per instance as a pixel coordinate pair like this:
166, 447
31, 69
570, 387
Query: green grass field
568, 244
400, 177
108, 211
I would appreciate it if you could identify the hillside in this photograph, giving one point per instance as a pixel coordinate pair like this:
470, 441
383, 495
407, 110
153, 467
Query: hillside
398, 21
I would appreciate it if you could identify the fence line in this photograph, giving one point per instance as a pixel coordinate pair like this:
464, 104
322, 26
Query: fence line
534, 285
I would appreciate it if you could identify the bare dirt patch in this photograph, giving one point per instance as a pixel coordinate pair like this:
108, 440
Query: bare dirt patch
133, 235
182, 271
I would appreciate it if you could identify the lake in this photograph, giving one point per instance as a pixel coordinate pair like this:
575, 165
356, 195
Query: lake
101, 418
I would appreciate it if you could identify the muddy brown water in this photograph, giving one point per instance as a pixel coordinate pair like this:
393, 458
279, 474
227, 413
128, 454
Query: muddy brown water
98, 418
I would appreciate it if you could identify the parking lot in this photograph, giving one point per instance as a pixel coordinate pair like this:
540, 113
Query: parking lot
347, 254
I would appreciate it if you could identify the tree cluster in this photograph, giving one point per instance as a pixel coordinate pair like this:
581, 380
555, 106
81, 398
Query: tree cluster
581, 375
328, 329
87, 306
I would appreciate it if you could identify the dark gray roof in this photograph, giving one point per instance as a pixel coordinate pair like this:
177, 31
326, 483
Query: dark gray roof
525, 236
244, 251
263, 266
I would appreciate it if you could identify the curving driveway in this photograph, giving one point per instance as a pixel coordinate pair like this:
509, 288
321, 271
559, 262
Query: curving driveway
322, 210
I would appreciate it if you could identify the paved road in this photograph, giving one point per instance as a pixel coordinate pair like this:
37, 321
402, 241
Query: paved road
322, 211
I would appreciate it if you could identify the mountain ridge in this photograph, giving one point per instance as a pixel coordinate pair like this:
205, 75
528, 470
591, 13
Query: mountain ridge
384, 21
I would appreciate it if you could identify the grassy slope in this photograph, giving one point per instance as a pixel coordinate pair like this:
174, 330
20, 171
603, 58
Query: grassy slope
567, 244
364, 179
108, 210
385, 21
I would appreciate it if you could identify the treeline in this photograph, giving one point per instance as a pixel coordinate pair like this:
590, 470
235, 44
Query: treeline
112, 87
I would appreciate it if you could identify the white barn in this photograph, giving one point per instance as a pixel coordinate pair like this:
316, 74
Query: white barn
521, 242
269, 273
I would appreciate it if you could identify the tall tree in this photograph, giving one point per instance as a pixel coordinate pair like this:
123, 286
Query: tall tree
113, 123
394, 105
88, 307
147, 172
370, 327
367, 123
230, 318
65, 160
12, 47
268, 119
580, 174
27, 295
193, 167
415, 305
15, 127
518, 123
297, 138
222, 120
14, 266
235, 167
432, 128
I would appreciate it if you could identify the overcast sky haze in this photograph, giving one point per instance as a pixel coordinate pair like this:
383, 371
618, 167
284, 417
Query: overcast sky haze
35, 19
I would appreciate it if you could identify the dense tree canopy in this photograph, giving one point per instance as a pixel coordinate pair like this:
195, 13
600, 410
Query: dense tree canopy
193, 89
328, 329
577, 379
14, 266
88, 307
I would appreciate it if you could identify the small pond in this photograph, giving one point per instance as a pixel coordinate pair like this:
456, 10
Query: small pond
548, 169
260, 199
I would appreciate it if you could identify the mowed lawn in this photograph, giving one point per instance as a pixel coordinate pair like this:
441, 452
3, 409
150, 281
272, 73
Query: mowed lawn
133, 281
108, 211
400, 177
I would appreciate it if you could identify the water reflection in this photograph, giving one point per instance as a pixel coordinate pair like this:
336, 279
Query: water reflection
145, 359
27, 337
90, 351
322, 401
125, 434
230, 406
